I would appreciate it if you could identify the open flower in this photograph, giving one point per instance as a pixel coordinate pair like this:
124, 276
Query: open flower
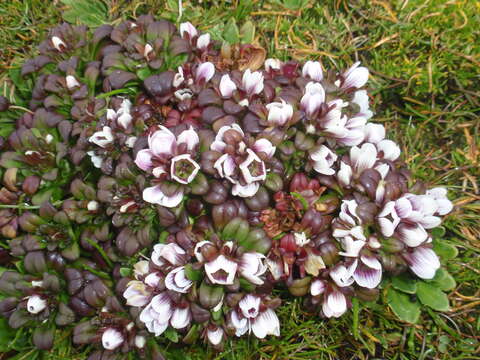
243, 167
366, 271
348, 222
323, 159
168, 253
162, 312
250, 317
102, 138
163, 160
423, 262
221, 271
177, 281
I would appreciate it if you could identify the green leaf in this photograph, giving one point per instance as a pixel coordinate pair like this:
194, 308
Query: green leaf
171, 334
405, 284
432, 296
438, 232
89, 12
402, 306
125, 272
192, 274
443, 280
247, 33
444, 249
7, 334
231, 33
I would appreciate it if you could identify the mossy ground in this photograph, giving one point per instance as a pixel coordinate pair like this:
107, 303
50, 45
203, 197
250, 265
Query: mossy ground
424, 58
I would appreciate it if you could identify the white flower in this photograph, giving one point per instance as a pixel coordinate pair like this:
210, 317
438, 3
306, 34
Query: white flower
205, 72
360, 98
252, 82
170, 252
183, 94
184, 162
388, 219
367, 272
317, 287
279, 113
342, 276
355, 77
272, 64
36, 304
227, 86
188, 30
252, 267
97, 161
130, 142
444, 206
253, 168
345, 174
147, 50
262, 323
301, 239
136, 293
412, 234
140, 341
71, 82
155, 195
352, 247
177, 281
58, 43
390, 150
178, 79
348, 222
112, 339
363, 157
215, 336
92, 205
423, 262
313, 98
221, 271
374, 133
203, 41
245, 191
141, 268
313, 70
334, 304
102, 138
323, 159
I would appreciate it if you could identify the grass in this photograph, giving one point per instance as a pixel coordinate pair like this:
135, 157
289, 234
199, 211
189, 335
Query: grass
425, 62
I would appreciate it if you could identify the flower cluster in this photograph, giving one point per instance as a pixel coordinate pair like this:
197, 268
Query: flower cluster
161, 187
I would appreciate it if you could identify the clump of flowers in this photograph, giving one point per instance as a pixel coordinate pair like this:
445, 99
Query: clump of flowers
158, 187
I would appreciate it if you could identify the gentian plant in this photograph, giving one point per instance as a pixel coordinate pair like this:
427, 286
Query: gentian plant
159, 185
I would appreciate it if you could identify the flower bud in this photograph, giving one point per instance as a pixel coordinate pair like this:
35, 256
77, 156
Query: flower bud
210, 296
36, 304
